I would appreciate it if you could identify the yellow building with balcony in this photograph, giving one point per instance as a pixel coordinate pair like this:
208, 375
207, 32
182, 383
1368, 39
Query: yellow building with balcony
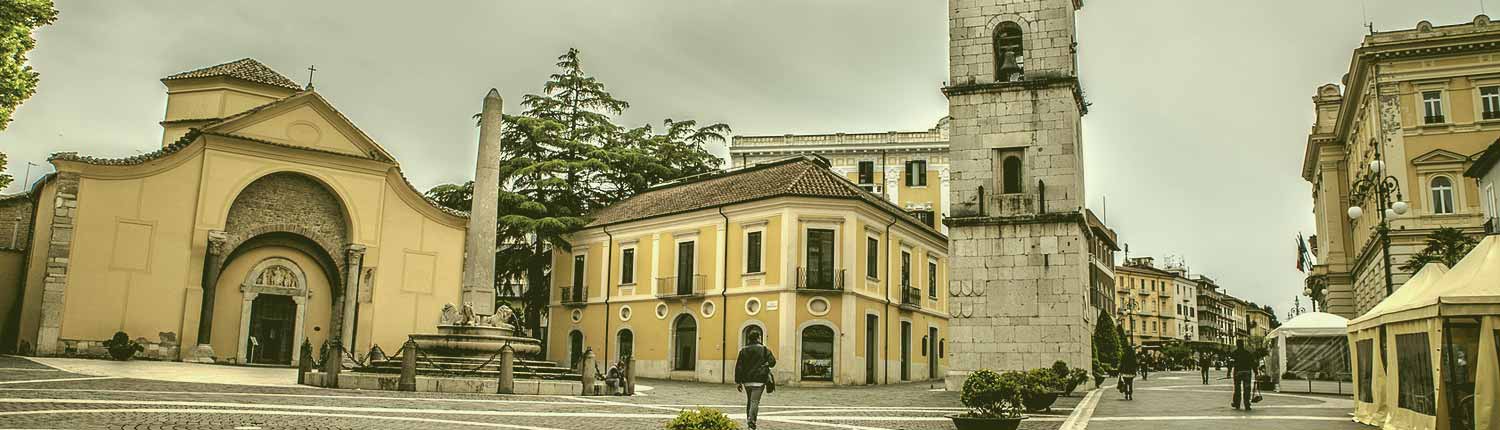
843, 285
1144, 298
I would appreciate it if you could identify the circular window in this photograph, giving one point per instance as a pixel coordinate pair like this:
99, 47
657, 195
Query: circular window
752, 306
577, 315
661, 311
707, 309
625, 313
818, 306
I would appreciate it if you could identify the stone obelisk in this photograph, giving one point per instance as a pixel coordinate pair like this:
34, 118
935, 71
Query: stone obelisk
479, 246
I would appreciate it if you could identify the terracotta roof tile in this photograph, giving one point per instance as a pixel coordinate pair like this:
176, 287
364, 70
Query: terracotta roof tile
244, 68
800, 176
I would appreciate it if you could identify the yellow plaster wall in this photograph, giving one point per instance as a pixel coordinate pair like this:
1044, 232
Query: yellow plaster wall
31, 303
418, 267
304, 126
131, 258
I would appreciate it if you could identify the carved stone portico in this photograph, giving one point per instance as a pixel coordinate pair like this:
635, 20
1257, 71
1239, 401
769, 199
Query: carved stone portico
275, 276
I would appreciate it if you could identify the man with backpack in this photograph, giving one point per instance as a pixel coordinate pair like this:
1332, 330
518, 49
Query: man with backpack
752, 375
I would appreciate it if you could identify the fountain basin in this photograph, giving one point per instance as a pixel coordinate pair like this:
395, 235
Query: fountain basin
474, 341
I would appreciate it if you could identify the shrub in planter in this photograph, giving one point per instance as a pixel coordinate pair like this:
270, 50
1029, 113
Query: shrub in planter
121, 347
702, 419
993, 399
1040, 389
1075, 378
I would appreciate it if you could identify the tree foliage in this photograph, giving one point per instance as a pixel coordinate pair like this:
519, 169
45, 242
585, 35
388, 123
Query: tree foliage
1445, 245
1106, 342
18, 19
564, 157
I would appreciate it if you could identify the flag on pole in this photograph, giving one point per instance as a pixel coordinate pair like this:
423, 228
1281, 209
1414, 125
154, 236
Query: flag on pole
1302, 257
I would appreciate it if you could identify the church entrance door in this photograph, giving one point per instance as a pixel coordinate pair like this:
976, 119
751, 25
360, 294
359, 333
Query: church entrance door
271, 325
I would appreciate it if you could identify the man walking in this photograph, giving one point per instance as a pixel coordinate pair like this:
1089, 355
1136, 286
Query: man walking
1242, 367
752, 371
1203, 363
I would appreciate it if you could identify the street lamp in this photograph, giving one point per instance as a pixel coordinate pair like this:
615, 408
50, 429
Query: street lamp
1387, 193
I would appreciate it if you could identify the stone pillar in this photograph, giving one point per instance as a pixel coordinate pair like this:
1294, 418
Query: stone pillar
479, 246
354, 258
408, 381
588, 373
247, 303
59, 251
332, 364
629, 376
507, 371
212, 262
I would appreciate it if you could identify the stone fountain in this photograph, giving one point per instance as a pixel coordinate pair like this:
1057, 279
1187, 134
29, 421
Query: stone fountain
462, 334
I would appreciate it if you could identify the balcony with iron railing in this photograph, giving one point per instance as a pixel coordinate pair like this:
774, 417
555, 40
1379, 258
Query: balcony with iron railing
683, 287
911, 298
575, 295
820, 284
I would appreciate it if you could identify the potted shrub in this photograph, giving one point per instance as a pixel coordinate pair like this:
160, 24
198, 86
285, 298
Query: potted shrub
993, 399
121, 347
702, 419
1041, 389
1075, 378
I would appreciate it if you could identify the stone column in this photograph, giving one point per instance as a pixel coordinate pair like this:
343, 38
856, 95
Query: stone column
246, 306
479, 261
354, 258
211, 265
301, 319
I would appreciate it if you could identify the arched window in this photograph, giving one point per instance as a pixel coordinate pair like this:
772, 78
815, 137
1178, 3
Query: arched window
1009, 61
817, 353
627, 344
1012, 170
942, 347
575, 348
1442, 195
924, 346
745, 335
685, 343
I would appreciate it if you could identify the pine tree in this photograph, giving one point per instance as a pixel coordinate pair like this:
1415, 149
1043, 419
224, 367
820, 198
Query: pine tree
564, 157
1106, 342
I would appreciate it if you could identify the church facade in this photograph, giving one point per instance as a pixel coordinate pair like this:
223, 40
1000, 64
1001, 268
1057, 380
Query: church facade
266, 218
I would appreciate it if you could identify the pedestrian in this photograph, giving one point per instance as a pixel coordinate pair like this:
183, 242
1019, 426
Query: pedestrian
1242, 368
1128, 368
1203, 363
1146, 366
752, 375
614, 378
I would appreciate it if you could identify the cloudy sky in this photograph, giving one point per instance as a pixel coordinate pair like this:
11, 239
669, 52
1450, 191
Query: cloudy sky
1200, 107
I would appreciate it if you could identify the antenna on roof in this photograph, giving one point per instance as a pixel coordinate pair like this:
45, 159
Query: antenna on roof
1365, 11
310, 70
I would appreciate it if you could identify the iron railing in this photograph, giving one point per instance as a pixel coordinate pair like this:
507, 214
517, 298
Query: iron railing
675, 286
1434, 119
575, 295
836, 283
911, 297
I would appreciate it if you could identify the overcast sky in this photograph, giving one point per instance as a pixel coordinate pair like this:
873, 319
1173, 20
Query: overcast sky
1200, 107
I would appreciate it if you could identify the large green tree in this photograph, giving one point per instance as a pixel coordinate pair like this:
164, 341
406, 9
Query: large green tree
1445, 245
1106, 342
564, 157
18, 19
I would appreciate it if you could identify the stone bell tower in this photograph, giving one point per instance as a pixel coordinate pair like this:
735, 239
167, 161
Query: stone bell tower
1019, 280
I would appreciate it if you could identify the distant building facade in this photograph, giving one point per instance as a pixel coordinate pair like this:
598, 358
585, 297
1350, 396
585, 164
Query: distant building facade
1424, 100
1146, 298
844, 287
1488, 179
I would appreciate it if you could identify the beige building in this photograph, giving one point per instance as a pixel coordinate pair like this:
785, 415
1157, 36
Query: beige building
909, 169
1147, 299
845, 287
1422, 101
264, 219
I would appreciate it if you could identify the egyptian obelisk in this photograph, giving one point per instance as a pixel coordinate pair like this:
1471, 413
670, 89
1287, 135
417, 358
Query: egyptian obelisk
479, 245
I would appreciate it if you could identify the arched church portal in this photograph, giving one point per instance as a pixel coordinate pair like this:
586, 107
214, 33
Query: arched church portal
273, 307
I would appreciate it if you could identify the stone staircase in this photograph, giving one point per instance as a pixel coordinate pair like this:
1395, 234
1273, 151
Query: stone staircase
462, 366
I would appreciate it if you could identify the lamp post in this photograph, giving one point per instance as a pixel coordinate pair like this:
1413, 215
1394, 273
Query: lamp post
1382, 187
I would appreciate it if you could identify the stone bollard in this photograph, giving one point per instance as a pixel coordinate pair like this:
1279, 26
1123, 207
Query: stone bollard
408, 381
507, 371
588, 373
333, 363
629, 376
304, 362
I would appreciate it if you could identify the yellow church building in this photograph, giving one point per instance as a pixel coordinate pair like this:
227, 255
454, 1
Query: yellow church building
266, 218
842, 284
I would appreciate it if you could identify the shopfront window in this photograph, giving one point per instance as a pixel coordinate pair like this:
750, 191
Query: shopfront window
817, 353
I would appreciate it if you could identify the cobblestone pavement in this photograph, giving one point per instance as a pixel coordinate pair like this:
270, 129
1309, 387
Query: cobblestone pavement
33, 397
1180, 400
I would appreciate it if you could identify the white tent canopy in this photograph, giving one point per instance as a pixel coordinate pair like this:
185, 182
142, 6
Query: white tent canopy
1312, 345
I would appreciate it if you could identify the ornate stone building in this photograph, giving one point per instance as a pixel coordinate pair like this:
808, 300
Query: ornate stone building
265, 218
1423, 101
1019, 235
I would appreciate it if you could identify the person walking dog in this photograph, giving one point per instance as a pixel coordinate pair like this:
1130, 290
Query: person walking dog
752, 375
1242, 368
